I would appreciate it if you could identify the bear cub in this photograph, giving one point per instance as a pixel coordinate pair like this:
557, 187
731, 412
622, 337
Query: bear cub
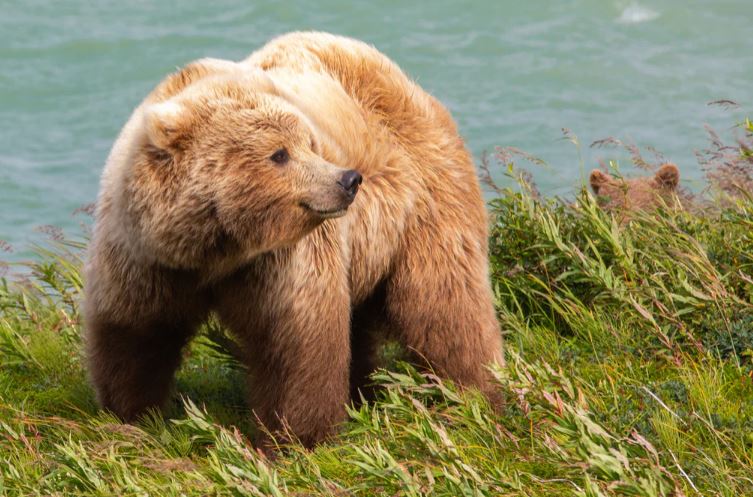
646, 193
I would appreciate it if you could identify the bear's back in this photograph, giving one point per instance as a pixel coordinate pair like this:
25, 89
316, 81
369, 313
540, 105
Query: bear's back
370, 78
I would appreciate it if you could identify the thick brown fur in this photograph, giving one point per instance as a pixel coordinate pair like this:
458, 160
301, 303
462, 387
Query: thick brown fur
626, 196
194, 217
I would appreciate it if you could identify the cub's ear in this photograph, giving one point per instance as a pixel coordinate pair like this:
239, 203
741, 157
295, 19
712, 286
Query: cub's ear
597, 179
668, 176
168, 125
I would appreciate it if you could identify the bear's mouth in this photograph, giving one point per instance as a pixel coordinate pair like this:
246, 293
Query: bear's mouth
326, 213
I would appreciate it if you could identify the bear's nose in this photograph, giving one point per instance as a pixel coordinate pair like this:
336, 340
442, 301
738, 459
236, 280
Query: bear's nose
350, 181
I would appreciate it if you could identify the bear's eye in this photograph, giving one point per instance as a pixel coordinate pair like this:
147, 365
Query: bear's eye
280, 157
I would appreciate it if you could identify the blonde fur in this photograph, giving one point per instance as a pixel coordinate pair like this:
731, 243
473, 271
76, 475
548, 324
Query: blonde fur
192, 218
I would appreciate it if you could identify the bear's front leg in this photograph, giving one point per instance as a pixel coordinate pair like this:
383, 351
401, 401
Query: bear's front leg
137, 320
440, 301
292, 314
307, 363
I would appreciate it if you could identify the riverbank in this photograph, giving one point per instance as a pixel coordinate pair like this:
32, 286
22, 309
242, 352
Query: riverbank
629, 372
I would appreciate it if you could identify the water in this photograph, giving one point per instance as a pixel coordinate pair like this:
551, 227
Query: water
513, 73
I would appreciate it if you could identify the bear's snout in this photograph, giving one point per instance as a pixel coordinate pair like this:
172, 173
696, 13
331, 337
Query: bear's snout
332, 197
350, 181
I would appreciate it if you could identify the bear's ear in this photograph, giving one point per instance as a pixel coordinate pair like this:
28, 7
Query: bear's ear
168, 125
668, 176
597, 179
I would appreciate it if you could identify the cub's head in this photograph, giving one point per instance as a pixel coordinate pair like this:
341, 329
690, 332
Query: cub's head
635, 194
228, 168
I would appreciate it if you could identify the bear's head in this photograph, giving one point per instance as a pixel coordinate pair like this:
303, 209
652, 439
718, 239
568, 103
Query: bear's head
228, 168
634, 194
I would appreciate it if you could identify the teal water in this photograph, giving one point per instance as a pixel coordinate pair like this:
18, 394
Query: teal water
512, 73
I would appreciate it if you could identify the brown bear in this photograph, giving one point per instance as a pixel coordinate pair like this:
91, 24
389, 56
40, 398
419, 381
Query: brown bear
308, 196
625, 196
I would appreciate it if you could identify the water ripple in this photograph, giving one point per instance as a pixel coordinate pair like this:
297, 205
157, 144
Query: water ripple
636, 14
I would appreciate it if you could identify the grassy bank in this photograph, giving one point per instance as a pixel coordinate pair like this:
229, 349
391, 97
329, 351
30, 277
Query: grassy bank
629, 372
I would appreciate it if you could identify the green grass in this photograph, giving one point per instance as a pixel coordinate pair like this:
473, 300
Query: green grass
629, 372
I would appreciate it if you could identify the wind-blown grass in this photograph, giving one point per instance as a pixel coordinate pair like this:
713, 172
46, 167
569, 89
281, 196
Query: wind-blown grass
629, 372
